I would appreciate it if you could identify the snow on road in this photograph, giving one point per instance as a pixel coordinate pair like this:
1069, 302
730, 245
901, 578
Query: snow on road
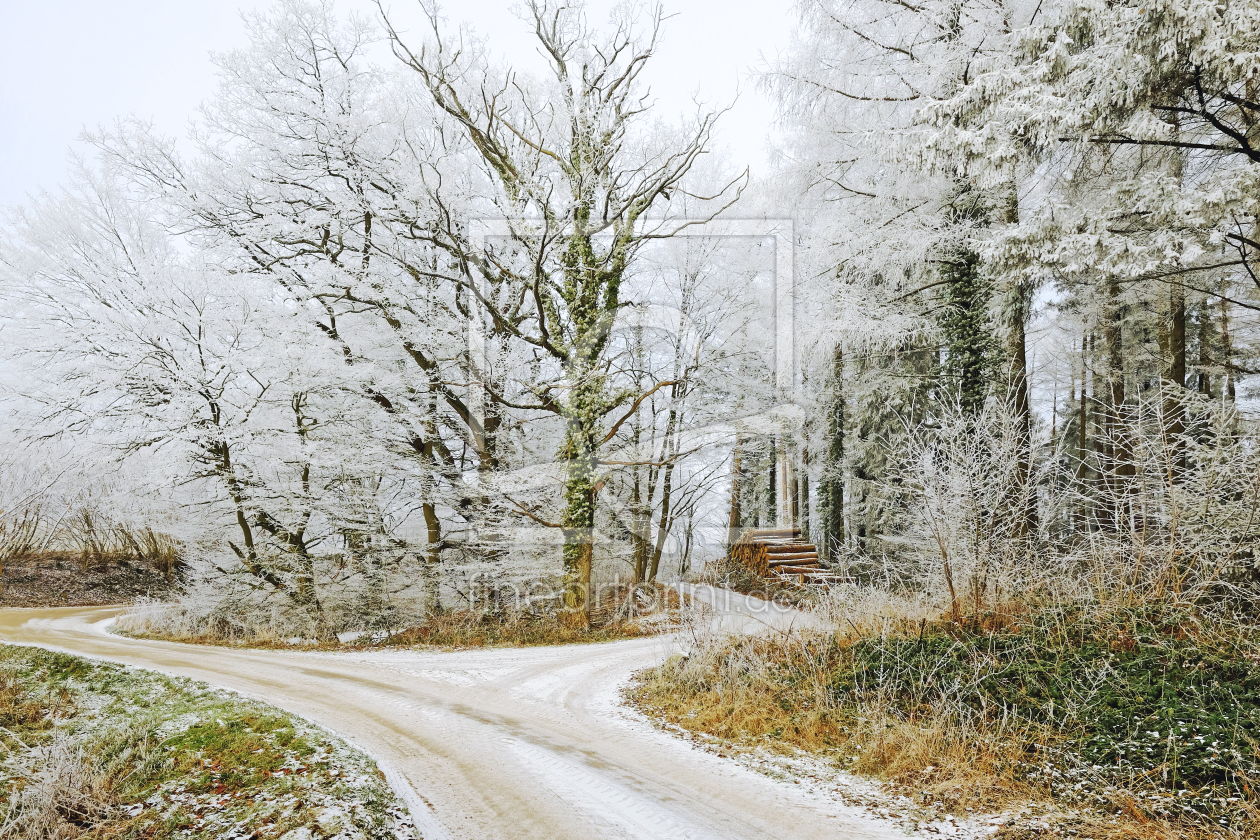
501, 743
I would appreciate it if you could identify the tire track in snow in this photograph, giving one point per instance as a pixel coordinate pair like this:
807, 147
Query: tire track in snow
625, 813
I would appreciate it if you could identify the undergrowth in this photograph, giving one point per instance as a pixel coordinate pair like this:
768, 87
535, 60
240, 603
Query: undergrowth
1146, 718
621, 613
624, 612
95, 751
465, 629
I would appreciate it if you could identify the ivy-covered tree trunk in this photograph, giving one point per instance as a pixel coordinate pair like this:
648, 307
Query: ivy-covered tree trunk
591, 291
579, 457
965, 324
831, 482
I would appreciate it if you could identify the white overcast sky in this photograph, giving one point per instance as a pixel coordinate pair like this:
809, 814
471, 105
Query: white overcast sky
66, 65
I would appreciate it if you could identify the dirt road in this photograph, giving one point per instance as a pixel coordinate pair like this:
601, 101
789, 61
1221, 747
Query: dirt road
506, 743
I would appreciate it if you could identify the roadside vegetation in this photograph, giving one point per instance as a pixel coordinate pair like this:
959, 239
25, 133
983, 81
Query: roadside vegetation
1116, 720
58, 578
619, 612
96, 751
625, 613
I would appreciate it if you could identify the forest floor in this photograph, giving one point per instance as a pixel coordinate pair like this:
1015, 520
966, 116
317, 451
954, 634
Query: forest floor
95, 750
64, 579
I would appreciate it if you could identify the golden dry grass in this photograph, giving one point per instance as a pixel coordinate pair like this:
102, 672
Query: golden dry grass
18, 709
933, 756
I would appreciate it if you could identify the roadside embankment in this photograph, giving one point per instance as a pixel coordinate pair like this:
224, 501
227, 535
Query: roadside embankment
1094, 721
96, 750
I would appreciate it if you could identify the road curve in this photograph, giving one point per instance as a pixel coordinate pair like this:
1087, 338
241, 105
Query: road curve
501, 743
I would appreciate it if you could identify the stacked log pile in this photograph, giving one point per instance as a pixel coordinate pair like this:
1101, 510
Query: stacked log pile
780, 554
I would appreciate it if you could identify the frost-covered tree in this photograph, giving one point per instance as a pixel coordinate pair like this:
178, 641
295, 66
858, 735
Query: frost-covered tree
892, 229
415, 330
130, 342
1140, 119
298, 160
572, 164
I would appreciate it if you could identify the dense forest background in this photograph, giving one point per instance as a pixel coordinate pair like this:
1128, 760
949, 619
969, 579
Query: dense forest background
400, 329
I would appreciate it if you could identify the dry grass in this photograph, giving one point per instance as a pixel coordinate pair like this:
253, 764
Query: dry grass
727, 574
19, 710
623, 613
779, 702
35, 527
66, 788
469, 630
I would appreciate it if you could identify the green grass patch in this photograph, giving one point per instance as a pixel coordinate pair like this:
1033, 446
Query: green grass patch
97, 751
1155, 697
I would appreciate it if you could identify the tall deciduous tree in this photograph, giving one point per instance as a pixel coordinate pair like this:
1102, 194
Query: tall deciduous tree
572, 165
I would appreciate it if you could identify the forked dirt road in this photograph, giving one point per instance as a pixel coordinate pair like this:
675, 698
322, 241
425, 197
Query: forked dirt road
501, 743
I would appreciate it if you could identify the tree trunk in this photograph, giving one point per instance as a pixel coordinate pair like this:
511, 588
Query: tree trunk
804, 495
432, 559
1227, 351
665, 522
1082, 440
1174, 409
792, 488
1204, 379
735, 523
1017, 347
579, 455
965, 324
831, 493
772, 515
591, 293
1121, 466
640, 524
668, 514
684, 564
